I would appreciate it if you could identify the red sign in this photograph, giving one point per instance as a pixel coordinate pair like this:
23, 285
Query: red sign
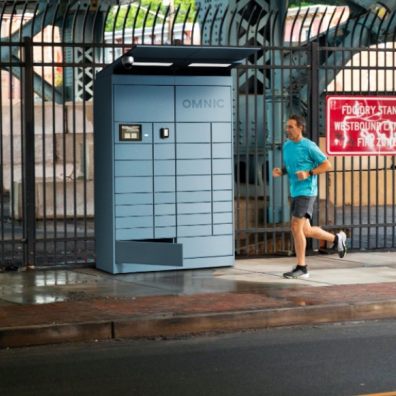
361, 125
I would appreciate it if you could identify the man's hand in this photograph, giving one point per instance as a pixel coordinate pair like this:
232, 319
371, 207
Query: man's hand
325, 166
302, 175
276, 172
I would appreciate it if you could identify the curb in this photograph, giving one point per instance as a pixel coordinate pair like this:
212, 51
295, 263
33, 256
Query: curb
54, 334
182, 325
256, 319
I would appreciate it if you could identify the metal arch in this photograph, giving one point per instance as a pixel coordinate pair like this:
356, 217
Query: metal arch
302, 23
294, 24
234, 12
194, 23
115, 24
135, 22
384, 33
11, 53
368, 23
213, 24
173, 20
365, 13
249, 24
167, 12
96, 31
277, 31
392, 22
362, 29
145, 22
240, 18
185, 23
322, 19
125, 22
154, 23
258, 26
45, 12
331, 34
312, 21
266, 28
23, 16
204, 22
219, 38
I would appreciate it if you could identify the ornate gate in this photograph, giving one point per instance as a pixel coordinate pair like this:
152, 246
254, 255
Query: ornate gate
51, 50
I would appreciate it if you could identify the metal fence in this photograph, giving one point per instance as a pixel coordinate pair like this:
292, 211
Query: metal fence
50, 52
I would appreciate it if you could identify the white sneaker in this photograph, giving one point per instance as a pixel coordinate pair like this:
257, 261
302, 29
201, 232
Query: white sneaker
341, 245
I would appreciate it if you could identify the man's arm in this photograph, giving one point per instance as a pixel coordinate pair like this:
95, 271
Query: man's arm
324, 167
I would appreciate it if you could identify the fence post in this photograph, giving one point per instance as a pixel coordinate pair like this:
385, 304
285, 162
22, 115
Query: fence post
28, 155
314, 95
313, 117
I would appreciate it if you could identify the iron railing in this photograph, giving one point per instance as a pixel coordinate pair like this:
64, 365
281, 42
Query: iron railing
50, 52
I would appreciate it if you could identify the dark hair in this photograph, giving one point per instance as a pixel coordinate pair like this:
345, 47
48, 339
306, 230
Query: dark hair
300, 121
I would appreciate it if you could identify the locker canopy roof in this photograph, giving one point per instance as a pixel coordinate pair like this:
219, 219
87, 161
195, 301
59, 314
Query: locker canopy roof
178, 58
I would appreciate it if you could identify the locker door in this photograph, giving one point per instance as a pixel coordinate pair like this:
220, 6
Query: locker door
144, 182
133, 185
143, 103
194, 181
164, 180
145, 203
204, 190
204, 174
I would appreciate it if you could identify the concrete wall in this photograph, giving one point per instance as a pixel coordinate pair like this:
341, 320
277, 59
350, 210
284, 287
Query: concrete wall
63, 158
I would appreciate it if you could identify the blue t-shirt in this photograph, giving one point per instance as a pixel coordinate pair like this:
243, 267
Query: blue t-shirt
302, 156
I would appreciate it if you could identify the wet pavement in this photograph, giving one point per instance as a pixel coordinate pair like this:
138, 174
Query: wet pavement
49, 306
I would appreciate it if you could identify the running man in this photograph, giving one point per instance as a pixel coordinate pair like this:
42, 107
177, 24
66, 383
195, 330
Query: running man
303, 161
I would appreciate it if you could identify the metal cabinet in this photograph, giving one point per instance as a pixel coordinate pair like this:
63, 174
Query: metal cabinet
163, 170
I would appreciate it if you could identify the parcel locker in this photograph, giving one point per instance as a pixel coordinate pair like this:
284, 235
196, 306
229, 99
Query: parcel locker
164, 159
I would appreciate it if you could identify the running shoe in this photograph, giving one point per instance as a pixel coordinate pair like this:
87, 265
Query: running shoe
341, 244
299, 271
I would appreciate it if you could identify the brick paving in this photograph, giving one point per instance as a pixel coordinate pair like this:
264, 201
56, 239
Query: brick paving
107, 309
105, 306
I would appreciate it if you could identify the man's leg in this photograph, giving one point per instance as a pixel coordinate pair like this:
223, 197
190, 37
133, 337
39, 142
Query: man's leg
317, 233
300, 242
339, 240
301, 208
302, 229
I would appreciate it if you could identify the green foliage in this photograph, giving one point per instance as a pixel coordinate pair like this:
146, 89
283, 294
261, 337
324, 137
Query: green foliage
144, 12
300, 3
139, 11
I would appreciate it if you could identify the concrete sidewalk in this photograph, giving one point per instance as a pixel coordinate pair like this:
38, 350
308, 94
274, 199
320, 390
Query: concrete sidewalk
52, 306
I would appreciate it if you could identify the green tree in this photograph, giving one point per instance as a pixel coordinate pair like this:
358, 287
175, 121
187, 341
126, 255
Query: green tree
145, 11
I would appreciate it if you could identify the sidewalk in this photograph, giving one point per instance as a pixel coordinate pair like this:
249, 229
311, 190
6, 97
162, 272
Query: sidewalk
52, 306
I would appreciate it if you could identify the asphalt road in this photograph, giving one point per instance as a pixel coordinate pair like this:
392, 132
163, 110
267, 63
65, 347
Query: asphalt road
341, 359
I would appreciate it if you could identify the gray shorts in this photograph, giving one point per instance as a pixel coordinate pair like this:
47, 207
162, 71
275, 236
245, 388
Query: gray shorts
302, 207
